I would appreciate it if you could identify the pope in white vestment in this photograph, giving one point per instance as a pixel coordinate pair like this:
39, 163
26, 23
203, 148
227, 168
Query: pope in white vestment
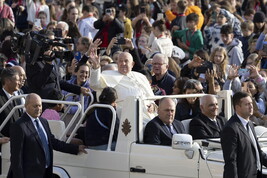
126, 82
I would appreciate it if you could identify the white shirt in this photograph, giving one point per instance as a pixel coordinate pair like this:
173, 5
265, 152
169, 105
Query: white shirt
34, 8
163, 45
243, 121
86, 27
7, 94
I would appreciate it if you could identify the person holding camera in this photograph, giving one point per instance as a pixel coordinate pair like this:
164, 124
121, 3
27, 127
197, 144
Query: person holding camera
108, 26
198, 66
43, 75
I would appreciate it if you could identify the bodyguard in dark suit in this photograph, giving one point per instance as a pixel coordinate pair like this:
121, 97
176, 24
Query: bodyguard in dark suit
32, 143
159, 130
11, 82
207, 124
242, 154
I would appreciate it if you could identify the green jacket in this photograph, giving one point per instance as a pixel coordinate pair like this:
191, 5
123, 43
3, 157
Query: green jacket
193, 40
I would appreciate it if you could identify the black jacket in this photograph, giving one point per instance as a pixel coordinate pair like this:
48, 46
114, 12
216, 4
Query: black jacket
238, 150
115, 28
98, 127
27, 154
165, 83
157, 133
6, 111
42, 78
202, 127
184, 110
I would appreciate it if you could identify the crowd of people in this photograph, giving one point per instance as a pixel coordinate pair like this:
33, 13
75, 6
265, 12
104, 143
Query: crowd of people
121, 48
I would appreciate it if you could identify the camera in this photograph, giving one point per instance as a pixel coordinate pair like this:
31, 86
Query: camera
204, 67
33, 45
108, 11
58, 32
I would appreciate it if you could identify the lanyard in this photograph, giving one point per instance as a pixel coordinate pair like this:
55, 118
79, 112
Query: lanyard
37, 8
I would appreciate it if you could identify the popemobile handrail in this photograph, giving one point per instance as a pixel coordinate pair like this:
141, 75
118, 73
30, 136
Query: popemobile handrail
112, 124
81, 101
43, 101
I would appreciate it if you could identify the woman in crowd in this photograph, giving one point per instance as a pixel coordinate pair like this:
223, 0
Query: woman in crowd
81, 79
179, 85
187, 108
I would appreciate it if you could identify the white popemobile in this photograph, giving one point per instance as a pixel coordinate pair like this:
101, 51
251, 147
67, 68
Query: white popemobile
134, 159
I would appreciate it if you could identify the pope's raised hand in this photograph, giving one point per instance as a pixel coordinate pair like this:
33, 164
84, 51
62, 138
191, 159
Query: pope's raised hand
94, 58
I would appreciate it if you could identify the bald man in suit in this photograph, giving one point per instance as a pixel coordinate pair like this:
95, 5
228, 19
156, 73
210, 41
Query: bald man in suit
32, 143
159, 130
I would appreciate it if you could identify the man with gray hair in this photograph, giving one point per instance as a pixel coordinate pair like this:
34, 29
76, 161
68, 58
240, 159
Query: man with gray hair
207, 124
162, 78
64, 27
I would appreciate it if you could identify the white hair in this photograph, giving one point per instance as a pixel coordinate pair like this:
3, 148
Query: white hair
163, 57
66, 26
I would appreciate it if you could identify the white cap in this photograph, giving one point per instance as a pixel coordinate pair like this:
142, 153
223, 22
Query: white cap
178, 52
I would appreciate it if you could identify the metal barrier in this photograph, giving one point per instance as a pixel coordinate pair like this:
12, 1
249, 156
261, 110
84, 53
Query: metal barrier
43, 101
112, 125
81, 102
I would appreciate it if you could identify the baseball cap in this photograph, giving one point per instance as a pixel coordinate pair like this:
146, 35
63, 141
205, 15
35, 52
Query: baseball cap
178, 52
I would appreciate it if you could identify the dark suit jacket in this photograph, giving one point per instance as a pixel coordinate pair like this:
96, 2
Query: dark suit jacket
157, 133
42, 78
5, 112
165, 83
27, 153
238, 150
202, 127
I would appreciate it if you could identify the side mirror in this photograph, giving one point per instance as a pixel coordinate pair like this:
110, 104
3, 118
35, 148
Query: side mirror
182, 141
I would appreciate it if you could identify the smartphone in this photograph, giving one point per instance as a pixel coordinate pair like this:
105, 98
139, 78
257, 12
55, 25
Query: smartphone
142, 47
160, 16
78, 56
245, 73
143, 10
37, 22
121, 41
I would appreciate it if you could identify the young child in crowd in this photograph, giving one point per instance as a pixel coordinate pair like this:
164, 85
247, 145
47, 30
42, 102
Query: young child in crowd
190, 39
247, 28
212, 31
52, 111
179, 23
99, 122
233, 45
